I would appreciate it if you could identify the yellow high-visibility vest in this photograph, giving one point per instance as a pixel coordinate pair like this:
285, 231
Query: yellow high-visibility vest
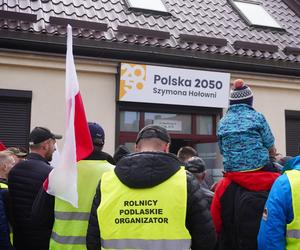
70, 224
3, 185
144, 218
293, 229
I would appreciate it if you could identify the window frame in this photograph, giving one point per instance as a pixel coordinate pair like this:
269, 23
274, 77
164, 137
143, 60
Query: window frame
20, 136
157, 12
127, 136
248, 21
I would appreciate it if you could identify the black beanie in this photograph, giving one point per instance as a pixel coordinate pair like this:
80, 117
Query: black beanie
240, 93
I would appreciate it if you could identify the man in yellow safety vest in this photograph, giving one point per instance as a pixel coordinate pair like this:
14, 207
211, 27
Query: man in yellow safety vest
70, 223
280, 223
150, 202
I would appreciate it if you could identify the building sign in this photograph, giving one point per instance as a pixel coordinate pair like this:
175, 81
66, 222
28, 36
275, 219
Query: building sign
170, 125
164, 85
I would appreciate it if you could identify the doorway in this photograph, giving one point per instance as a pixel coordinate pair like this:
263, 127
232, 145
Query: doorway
176, 144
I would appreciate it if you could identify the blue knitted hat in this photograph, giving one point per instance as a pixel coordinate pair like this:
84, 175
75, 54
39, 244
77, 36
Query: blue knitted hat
240, 93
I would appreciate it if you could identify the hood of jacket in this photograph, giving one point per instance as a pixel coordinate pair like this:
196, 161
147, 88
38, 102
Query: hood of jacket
254, 181
146, 169
291, 164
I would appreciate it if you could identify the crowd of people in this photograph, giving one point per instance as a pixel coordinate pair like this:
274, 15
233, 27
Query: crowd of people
153, 199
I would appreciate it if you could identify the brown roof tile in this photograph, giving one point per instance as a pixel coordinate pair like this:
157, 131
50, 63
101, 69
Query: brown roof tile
197, 18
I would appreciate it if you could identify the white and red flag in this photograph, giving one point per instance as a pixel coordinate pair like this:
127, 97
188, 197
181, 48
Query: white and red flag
62, 180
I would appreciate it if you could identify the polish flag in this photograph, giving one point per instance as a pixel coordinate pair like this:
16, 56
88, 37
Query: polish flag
62, 180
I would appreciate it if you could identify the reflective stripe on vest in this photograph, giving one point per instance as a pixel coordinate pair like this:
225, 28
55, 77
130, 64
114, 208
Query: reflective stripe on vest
144, 218
71, 215
3, 185
146, 244
293, 229
68, 239
70, 224
293, 233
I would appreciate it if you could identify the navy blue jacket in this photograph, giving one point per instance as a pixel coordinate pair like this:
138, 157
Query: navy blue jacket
24, 182
4, 229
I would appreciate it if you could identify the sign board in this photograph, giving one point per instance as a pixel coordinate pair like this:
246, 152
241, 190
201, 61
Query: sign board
170, 125
165, 85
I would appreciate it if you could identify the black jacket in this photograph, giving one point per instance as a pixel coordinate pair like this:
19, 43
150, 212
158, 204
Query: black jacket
100, 155
148, 169
24, 182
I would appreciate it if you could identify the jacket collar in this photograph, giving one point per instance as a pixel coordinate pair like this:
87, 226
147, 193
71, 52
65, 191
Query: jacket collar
146, 169
35, 156
254, 180
240, 106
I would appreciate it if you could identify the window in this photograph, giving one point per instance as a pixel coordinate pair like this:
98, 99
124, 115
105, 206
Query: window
209, 152
204, 125
130, 146
186, 128
129, 121
15, 109
255, 14
292, 132
155, 5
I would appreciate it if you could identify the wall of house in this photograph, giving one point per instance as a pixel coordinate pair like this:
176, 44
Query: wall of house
272, 96
44, 75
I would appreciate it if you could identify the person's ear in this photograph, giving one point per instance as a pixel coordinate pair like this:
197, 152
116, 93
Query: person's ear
45, 144
5, 167
167, 148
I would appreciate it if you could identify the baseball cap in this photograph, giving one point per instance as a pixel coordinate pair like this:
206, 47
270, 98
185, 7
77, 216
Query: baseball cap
96, 131
40, 134
195, 165
153, 131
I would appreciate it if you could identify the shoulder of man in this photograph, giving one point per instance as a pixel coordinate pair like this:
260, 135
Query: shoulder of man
280, 200
192, 183
100, 155
28, 165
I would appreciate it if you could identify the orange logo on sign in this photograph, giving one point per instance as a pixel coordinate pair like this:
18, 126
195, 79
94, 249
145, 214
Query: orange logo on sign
132, 76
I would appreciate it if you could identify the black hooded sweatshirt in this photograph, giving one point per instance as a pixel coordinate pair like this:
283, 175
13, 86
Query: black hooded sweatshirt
148, 169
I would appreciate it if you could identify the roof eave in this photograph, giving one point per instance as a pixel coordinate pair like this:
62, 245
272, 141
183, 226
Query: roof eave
149, 54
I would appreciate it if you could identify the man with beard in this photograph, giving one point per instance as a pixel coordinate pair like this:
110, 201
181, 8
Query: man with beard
24, 182
69, 223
